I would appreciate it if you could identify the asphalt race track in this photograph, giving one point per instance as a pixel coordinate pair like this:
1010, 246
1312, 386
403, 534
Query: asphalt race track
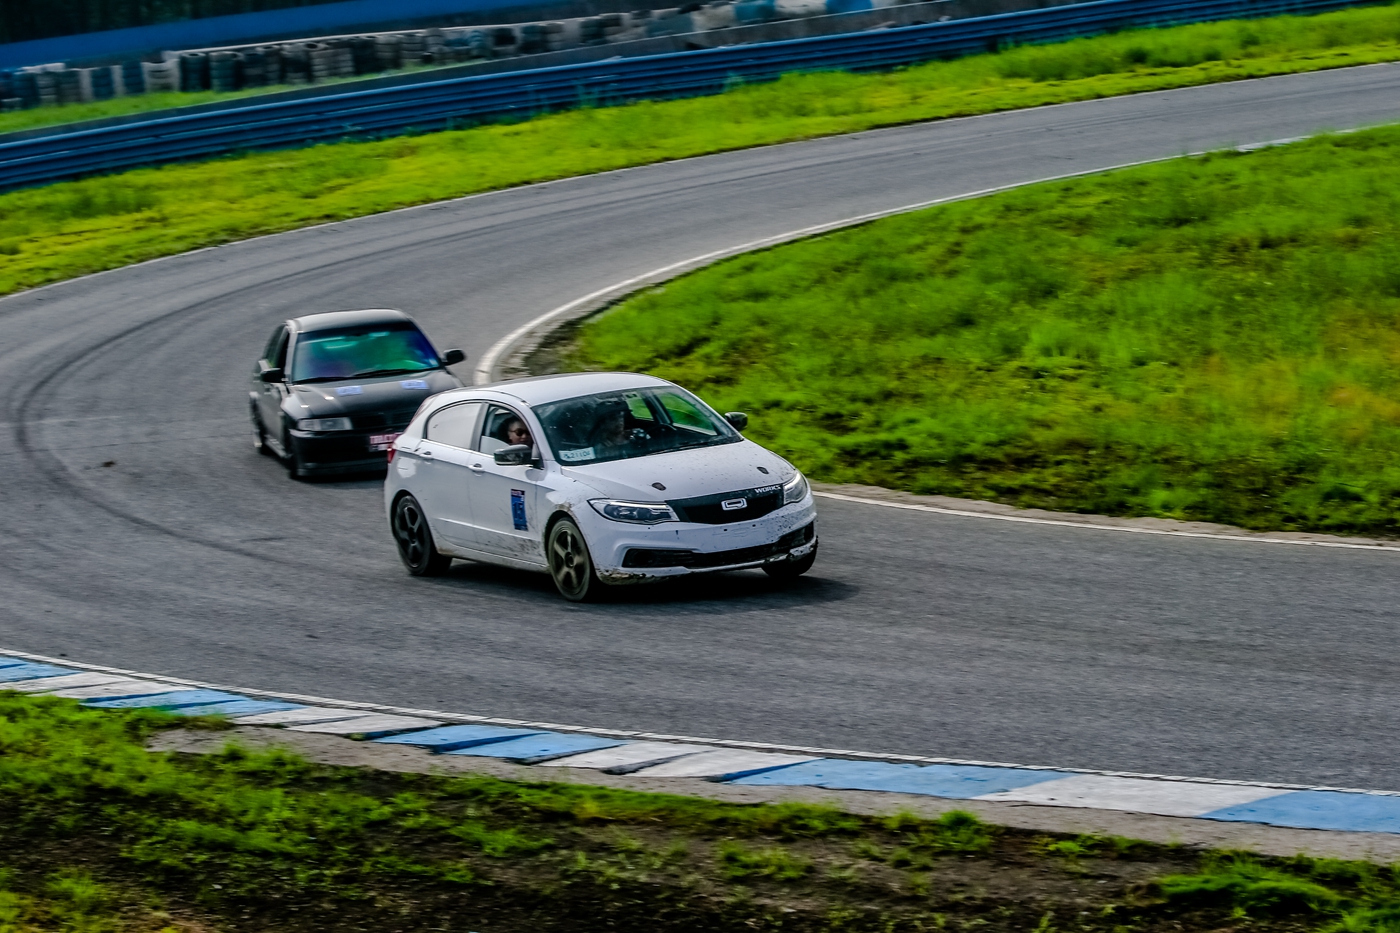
191, 555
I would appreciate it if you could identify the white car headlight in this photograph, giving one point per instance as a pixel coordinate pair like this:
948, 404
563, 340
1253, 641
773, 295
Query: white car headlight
324, 424
795, 489
641, 513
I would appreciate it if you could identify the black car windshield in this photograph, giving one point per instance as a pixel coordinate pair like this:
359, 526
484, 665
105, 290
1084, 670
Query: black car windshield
388, 349
630, 423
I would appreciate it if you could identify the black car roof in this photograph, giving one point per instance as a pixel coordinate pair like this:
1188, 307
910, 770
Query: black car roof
329, 319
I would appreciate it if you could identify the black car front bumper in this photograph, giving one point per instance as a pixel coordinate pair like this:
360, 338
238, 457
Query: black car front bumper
339, 452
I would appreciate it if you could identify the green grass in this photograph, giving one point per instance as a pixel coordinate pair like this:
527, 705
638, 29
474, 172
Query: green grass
1212, 339
101, 836
69, 229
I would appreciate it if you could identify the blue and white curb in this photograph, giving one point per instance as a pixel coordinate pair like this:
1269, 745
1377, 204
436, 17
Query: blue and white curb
737, 763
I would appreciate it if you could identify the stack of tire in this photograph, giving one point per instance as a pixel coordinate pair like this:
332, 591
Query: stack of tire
362, 50
262, 66
532, 39
320, 56
481, 44
46, 88
504, 41
133, 78
555, 37
9, 92
70, 89
160, 76
225, 71
388, 52
413, 47
26, 89
434, 47
614, 24
194, 71
296, 63
98, 84
344, 58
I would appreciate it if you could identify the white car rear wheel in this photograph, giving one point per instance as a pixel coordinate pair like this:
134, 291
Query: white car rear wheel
570, 564
415, 540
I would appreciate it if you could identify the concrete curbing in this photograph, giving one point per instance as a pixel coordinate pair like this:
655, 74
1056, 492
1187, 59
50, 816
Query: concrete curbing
743, 764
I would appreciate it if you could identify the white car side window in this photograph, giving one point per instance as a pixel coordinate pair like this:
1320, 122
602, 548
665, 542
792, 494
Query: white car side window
502, 428
454, 425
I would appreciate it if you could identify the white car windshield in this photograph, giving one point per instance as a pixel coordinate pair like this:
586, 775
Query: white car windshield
630, 423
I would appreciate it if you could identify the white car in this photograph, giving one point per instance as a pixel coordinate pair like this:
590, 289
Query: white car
596, 478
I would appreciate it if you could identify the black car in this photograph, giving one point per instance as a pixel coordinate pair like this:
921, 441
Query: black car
334, 390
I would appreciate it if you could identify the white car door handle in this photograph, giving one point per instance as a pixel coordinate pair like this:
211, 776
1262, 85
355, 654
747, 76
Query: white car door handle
477, 467
425, 454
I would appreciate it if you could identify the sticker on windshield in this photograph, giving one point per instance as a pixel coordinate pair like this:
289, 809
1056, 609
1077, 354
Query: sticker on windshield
350, 390
574, 456
413, 384
517, 510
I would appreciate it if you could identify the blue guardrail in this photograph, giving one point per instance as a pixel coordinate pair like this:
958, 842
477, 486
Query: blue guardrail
435, 105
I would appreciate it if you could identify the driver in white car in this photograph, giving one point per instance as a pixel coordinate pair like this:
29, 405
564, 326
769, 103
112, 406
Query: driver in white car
518, 433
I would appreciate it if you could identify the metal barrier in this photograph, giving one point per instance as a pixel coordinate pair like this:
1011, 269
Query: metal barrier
466, 100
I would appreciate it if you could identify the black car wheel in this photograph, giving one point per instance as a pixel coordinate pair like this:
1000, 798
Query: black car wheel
792, 569
570, 564
415, 540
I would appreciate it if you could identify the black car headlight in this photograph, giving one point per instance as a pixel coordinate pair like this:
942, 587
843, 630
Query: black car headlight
639, 513
795, 489
324, 424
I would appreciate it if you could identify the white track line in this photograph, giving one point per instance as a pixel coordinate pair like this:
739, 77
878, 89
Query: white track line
1094, 526
661, 737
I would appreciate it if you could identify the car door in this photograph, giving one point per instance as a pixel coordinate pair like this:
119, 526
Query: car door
504, 509
443, 477
271, 394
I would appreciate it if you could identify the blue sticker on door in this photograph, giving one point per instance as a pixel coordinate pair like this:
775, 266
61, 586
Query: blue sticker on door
517, 509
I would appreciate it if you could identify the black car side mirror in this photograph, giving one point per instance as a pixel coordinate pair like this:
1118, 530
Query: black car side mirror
737, 419
514, 455
269, 373
453, 357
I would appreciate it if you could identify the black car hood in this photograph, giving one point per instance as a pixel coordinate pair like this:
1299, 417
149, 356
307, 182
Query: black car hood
350, 397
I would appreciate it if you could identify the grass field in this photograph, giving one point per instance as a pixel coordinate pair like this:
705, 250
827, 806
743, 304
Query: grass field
57, 232
101, 836
1214, 339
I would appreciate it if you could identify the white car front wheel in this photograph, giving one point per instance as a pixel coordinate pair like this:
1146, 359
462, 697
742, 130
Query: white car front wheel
570, 564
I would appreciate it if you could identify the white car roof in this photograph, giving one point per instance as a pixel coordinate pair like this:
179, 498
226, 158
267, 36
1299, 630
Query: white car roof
541, 390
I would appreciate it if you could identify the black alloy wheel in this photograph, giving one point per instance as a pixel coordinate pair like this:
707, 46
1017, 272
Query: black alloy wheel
792, 569
415, 540
570, 564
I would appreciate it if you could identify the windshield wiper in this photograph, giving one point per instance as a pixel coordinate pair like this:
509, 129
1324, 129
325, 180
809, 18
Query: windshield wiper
390, 372
366, 373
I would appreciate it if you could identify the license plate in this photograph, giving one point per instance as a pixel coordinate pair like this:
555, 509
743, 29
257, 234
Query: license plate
383, 441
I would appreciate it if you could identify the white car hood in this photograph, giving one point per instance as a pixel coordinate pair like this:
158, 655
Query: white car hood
700, 471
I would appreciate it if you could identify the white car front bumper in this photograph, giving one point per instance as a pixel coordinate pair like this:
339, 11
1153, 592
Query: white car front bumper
628, 553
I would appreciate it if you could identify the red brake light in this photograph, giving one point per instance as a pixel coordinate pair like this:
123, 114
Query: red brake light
392, 450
